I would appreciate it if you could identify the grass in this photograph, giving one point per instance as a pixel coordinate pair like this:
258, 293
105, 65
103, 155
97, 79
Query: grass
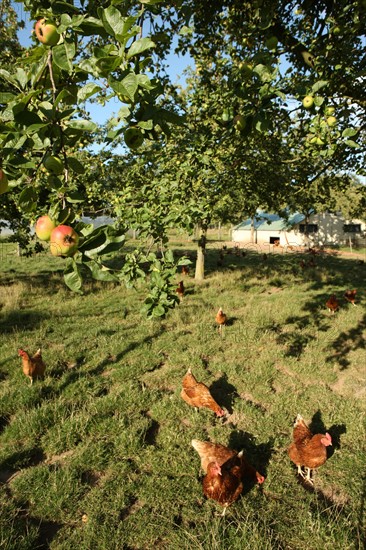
98, 454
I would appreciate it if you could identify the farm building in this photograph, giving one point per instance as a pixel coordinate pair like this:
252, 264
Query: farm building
321, 230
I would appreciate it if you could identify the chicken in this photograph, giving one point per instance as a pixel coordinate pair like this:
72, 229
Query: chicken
226, 471
34, 366
308, 450
221, 319
302, 264
215, 452
350, 296
180, 290
185, 270
198, 395
332, 303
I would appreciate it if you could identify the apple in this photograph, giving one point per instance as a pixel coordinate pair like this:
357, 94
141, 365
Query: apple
329, 111
308, 102
331, 121
4, 184
240, 122
53, 164
46, 32
63, 241
271, 42
44, 227
134, 137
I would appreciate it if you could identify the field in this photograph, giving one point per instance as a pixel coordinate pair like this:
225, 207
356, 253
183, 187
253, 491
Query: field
98, 454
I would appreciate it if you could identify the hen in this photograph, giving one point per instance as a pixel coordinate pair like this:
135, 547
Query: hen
34, 366
180, 290
198, 395
185, 270
332, 303
225, 470
221, 319
350, 296
308, 450
215, 452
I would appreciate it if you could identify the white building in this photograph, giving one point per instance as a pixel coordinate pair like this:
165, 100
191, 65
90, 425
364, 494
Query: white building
321, 230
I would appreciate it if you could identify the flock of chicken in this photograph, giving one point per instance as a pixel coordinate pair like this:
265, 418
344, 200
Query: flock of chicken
226, 471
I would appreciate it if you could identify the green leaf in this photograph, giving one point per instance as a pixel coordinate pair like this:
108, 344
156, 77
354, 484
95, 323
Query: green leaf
87, 91
62, 56
100, 272
85, 125
319, 85
352, 143
28, 199
349, 132
113, 21
72, 276
130, 84
140, 46
75, 165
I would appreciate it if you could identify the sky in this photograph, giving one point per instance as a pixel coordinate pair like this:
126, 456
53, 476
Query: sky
100, 114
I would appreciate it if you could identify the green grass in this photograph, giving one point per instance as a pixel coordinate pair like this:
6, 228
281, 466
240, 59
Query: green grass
98, 454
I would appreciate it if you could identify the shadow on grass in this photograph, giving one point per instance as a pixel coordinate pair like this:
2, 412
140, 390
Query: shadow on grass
346, 343
21, 320
20, 459
224, 393
258, 455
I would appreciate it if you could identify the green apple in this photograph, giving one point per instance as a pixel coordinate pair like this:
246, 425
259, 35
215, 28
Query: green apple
44, 227
63, 241
331, 121
329, 110
240, 122
134, 137
308, 102
53, 164
271, 42
319, 141
4, 184
46, 32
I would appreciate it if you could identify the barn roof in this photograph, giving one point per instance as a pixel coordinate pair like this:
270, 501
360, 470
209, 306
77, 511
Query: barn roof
270, 222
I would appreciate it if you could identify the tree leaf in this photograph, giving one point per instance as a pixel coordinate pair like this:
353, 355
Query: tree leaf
62, 55
87, 91
28, 199
72, 276
85, 125
75, 165
140, 46
319, 85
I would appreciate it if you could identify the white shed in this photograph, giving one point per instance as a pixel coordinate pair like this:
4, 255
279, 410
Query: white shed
322, 229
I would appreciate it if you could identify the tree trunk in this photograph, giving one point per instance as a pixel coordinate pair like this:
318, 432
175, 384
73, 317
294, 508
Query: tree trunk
252, 230
201, 250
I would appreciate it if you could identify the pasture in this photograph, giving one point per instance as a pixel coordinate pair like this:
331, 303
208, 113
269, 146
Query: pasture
98, 454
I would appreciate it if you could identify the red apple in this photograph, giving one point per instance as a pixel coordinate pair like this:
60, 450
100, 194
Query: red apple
44, 228
46, 32
4, 185
63, 241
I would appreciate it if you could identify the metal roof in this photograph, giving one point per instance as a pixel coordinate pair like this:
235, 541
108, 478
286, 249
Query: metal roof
270, 222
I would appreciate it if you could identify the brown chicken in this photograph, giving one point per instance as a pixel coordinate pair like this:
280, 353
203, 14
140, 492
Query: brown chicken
215, 452
185, 270
180, 290
198, 395
34, 366
221, 317
307, 450
332, 303
226, 471
350, 296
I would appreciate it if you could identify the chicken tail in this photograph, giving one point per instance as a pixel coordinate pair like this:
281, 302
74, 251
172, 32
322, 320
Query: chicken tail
38, 353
